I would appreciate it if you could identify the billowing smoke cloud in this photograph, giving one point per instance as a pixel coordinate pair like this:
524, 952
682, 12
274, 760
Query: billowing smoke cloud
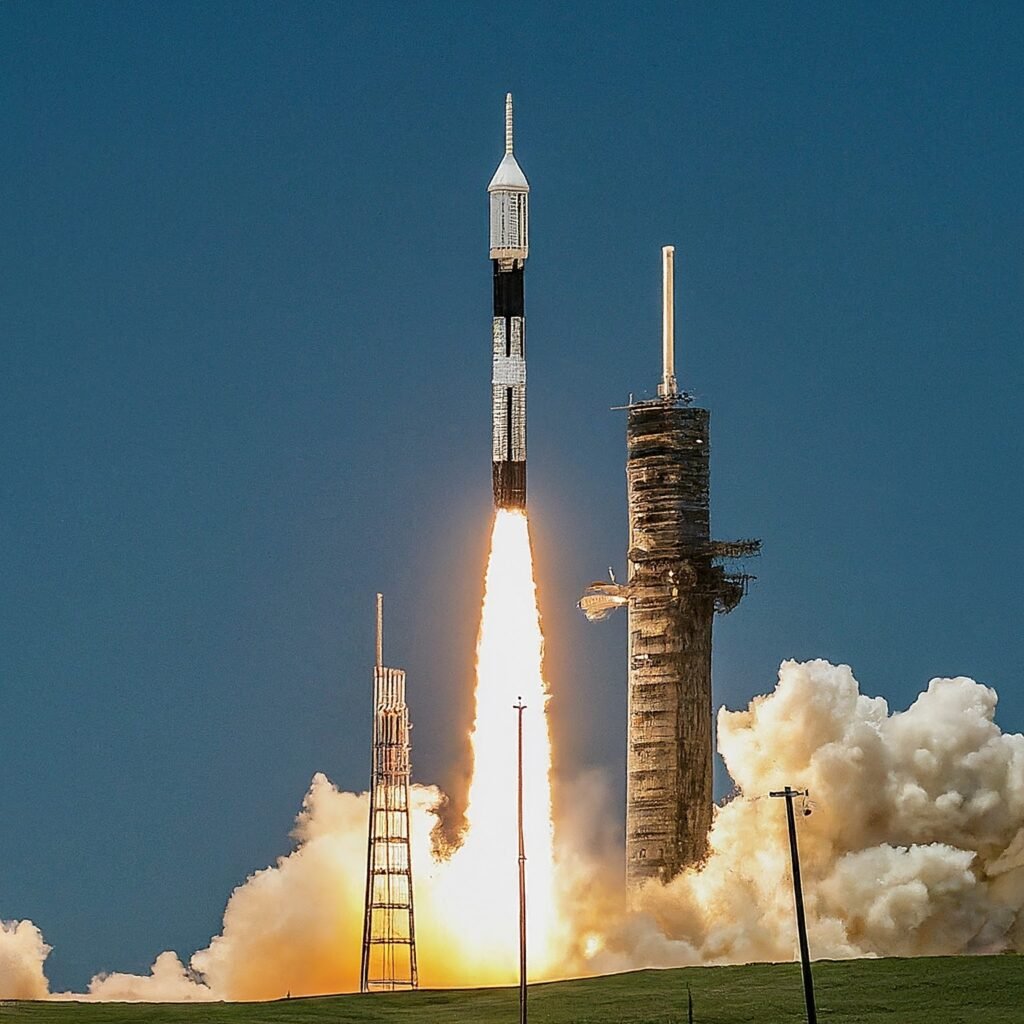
915, 846
22, 955
169, 981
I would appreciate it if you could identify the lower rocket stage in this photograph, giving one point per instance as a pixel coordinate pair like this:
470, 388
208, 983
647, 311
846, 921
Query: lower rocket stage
508, 388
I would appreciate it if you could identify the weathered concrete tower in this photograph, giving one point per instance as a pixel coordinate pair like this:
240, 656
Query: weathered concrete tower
676, 583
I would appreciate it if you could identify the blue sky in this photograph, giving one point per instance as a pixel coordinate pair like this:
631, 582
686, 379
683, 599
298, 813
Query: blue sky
244, 329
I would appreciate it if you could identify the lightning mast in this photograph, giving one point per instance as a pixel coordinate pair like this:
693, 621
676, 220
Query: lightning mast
389, 932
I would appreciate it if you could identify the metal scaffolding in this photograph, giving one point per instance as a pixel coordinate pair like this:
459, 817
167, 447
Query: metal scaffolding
389, 931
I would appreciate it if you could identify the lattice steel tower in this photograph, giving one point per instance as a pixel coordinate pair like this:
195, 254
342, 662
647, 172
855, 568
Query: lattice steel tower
389, 931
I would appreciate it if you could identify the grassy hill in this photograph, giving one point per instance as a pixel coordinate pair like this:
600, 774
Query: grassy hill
940, 990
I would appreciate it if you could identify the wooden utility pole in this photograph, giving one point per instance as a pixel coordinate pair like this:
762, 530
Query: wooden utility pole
798, 892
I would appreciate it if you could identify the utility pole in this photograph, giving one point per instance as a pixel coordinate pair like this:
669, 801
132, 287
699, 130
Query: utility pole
801, 923
520, 707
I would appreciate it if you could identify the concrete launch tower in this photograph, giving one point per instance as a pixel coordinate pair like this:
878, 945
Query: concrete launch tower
676, 583
510, 245
389, 929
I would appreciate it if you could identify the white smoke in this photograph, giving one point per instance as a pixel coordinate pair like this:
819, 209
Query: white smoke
915, 846
168, 981
22, 955
296, 927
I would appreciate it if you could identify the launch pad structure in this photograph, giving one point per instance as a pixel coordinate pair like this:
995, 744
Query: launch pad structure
389, 929
677, 581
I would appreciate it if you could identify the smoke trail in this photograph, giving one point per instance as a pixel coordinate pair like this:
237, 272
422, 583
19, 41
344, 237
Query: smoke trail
915, 846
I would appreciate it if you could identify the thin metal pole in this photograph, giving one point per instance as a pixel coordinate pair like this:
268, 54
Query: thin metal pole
364, 967
520, 707
380, 630
798, 893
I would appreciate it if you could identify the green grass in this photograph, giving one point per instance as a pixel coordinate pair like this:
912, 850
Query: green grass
939, 990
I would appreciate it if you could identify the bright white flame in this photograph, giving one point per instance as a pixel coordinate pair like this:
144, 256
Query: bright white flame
485, 868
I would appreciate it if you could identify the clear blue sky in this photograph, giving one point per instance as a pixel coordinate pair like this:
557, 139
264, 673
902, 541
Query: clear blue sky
244, 321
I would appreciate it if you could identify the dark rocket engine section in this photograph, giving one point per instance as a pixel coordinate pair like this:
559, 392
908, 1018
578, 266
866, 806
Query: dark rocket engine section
509, 479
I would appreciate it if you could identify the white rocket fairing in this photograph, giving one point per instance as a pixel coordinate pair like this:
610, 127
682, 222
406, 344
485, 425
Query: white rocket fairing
510, 222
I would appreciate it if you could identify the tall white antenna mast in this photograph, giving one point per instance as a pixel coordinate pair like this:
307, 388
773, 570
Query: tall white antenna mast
508, 122
668, 387
380, 631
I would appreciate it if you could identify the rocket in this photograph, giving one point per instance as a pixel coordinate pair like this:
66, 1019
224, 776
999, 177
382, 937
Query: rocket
509, 194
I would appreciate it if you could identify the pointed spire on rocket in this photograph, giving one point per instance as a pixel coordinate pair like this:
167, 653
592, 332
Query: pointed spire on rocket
509, 175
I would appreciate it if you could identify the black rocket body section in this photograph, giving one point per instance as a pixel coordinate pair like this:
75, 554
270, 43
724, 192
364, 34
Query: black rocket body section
509, 228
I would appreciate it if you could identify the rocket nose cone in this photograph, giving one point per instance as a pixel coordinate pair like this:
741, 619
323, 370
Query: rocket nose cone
509, 176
